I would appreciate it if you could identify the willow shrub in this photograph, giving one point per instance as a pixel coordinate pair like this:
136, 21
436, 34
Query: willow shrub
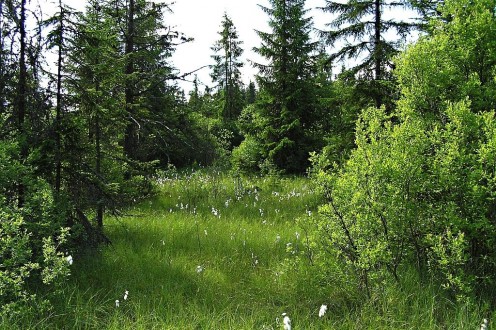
32, 242
415, 192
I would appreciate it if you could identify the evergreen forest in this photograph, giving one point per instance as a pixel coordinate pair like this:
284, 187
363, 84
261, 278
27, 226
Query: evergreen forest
349, 184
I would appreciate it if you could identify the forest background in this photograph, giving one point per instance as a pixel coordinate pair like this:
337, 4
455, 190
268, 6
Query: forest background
397, 139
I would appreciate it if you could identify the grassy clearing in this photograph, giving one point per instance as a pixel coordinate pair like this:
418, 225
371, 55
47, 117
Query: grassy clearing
216, 252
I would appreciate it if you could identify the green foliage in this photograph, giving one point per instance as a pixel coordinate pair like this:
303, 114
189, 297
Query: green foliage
287, 101
255, 266
457, 60
247, 157
419, 187
31, 241
16, 265
416, 192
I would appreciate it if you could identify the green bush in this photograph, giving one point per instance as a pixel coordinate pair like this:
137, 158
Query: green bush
247, 157
419, 189
416, 192
32, 243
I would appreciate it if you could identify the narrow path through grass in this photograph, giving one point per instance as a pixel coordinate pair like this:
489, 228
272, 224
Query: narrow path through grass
207, 252
212, 251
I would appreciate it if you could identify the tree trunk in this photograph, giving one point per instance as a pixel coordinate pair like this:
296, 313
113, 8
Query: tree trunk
21, 98
378, 51
98, 165
58, 116
2, 65
130, 137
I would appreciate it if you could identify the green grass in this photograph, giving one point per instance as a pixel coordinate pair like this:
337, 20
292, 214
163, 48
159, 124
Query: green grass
254, 262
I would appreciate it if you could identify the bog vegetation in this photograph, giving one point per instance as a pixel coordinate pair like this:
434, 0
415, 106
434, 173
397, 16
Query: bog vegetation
363, 198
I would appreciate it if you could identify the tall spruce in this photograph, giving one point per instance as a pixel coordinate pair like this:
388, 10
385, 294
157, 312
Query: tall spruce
226, 70
98, 120
362, 26
60, 38
251, 93
287, 83
149, 43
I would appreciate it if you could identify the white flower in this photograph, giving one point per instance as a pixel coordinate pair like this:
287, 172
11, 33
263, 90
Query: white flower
199, 269
69, 260
126, 295
484, 324
117, 303
297, 235
286, 321
323, 310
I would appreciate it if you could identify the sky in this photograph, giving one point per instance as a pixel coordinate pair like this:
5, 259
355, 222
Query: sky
201, 20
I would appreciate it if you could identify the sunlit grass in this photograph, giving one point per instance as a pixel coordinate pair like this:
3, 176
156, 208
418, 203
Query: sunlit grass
215, 252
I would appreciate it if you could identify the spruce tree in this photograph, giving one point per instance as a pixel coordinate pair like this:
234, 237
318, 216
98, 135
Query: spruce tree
362, 25
287, 83
226, 70
150, 96
98, 121
251, 93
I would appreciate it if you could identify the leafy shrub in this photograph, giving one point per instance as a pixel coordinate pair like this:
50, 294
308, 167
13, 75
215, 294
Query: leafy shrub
31, 240
457, 60
415, 192
420, 187
246, 158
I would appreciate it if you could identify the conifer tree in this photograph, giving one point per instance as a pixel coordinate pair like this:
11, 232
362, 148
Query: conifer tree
148, 46
226, 70
287, 85
251, 93
98, 98
60, 38
362, 25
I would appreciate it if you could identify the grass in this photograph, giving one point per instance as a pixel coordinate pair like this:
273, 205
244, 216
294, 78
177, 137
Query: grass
215, 252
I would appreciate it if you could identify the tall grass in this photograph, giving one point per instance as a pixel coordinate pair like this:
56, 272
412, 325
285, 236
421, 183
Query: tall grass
212, 251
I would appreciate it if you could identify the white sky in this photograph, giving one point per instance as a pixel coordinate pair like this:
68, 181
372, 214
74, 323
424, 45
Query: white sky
201, 20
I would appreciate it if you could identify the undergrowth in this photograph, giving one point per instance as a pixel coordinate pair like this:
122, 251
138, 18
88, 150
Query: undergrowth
213, 251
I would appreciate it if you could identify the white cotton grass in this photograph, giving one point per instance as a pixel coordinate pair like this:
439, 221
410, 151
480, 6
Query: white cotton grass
126, 294
322, 310
69, 260
484, 324
117, 303
286, 322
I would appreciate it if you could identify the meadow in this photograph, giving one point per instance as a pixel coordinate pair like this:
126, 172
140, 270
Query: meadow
213, 251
